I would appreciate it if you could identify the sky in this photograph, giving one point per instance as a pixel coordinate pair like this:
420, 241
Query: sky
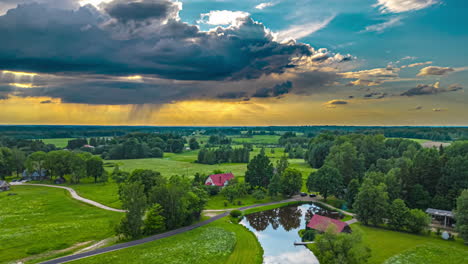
234, 62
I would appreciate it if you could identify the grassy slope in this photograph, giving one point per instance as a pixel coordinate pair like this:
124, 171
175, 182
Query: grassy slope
208, 244
40, 219
58, 142
385, 244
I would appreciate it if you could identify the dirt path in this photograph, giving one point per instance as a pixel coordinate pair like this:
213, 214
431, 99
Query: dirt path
74, 196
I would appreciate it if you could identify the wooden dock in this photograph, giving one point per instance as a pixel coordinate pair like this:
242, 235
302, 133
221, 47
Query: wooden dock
303, 243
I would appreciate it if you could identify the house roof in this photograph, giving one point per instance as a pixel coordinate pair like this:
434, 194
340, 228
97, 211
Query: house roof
321, 223
439, 212
220, 179
4, 183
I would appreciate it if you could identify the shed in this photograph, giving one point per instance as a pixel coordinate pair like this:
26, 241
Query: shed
443, 216
4, 186
219, 179
321, 223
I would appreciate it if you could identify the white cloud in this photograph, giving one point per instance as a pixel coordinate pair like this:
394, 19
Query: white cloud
265, 5
435, 70
300, 31
222, 17
379, 28
400, 6
416, 64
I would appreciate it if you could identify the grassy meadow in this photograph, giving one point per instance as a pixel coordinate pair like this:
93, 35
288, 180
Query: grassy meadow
392, 247
58, 142
37, 220
220, 242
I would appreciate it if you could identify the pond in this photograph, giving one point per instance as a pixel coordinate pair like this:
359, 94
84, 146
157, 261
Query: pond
277, 230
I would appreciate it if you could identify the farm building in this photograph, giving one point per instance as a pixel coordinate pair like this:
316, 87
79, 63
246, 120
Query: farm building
321, 223
220, 180
441, 217
35, 176
4, 186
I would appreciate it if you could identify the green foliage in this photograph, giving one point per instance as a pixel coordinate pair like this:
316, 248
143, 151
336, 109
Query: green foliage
291, 181
461, 215
318, 150
332, 248
259, 194
327, 180
154, 222
417, 221
148, 178
134, 201
309, 235
345, 159
281, 165
371, 203
76, 143
235, 213
94, 167
223, 155
418, 197
275, 185
193, 144
398, 215
351, 192
259, 171
119, 176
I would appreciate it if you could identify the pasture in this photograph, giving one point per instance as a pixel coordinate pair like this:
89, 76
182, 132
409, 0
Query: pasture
58, 142
39, 220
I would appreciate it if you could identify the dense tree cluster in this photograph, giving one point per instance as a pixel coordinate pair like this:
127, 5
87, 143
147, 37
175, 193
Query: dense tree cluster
155, 203
223, 155
219, 140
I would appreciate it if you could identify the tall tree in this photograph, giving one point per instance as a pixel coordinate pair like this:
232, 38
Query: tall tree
327, 180
134, 201
36, 161
154, 220
259, 171
6, 162
351, 192
275, 185
282, 164
333, 248
345, 158
398, 215
94, 167
461, 215
371, 203
193, 144
426, 169
148, 178
291, 182
18, 158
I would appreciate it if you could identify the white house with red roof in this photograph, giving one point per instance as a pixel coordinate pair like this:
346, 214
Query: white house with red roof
220, 180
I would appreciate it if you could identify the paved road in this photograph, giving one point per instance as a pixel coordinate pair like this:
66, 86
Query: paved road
75, 196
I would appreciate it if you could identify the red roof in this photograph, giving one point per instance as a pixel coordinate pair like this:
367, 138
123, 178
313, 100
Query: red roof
321, 223
220, 179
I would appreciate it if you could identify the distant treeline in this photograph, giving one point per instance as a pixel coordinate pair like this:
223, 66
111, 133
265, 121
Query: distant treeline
223, 155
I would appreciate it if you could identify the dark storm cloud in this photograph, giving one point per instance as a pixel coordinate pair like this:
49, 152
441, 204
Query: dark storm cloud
125, 11
232, 95
338, 102
375, 95
277, 90
428, 89
46, 102
89, 41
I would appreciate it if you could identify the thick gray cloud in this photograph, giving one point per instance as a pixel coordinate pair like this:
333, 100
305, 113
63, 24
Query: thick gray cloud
277, 90
5, 5
427, 89
126, 11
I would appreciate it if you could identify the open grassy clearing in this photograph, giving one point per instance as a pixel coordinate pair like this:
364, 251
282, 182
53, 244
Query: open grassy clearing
397, 247
218, 242
217, 201
40, 219
257, 139
58, 142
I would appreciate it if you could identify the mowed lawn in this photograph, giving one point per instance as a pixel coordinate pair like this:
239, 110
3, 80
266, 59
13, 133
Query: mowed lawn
392, 247
216, 243
40, 219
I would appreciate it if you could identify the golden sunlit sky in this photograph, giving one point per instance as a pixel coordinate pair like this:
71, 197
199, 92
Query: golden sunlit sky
231, 63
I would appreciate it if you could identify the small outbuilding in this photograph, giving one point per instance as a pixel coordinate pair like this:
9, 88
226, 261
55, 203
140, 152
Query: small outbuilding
35, 175
441, 217
321, 223
220, 180
4, 186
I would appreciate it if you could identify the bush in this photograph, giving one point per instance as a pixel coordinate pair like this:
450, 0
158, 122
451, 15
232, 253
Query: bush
226, 203
239, 202
235, 213
308, 235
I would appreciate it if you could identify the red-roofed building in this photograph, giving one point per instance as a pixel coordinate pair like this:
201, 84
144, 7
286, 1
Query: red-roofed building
220, 180
321, 223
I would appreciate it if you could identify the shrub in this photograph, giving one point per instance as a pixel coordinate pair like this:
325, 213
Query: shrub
235, 213
239, 202
226, 203
309, 235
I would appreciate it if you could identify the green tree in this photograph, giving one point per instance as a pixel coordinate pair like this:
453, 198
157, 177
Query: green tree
259, 194
345, 158
398, 215
461, 215
148, 178
327, 180
351, 191
342, 248
154, 221
58, 162
371, 203
118, 175
426, 169
230, 192
418, 197
18, 159
418, 221
259, 171
291, 182
36, 161
193, 144
134, 201
281, 165
94, 167
275, 185
77, 168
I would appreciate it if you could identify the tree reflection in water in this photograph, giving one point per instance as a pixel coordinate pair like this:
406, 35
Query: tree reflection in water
289, 217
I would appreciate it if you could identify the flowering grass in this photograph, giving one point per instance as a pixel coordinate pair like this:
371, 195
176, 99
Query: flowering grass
40, 219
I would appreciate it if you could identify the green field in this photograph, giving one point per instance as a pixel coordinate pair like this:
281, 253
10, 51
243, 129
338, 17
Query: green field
40, 219
58, 142
404, 248
257, 139
218, 242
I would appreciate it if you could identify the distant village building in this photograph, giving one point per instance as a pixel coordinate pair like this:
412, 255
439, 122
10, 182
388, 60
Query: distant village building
35, 176
321, 223
88, 146
60, 180
220, 180
441, 217
4, 186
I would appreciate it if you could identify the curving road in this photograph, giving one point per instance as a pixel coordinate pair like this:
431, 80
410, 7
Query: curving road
74, 195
